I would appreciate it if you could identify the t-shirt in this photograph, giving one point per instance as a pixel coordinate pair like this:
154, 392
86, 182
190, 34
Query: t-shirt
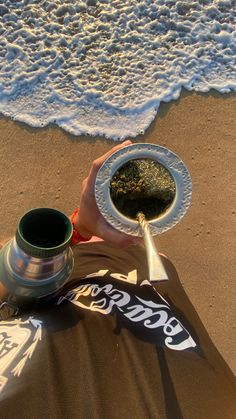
113, 345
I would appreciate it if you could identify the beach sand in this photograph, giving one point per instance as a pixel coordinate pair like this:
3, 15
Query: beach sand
45, 167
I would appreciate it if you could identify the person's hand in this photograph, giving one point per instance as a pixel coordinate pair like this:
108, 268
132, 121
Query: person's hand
89, 221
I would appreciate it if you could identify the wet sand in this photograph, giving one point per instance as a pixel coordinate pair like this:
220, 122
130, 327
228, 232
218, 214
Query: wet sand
45, 167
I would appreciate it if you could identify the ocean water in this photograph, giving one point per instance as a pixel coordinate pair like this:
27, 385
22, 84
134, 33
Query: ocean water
102, 67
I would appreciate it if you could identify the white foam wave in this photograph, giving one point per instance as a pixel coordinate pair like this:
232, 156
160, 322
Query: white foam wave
102, 67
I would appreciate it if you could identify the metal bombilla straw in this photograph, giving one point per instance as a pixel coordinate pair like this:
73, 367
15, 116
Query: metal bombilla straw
156, 269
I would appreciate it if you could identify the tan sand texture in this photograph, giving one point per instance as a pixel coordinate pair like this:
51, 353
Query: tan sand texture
45, 167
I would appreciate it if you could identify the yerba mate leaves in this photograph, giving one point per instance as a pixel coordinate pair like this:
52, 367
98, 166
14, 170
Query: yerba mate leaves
142, 185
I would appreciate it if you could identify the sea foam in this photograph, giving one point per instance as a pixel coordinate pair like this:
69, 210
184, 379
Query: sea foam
102, 67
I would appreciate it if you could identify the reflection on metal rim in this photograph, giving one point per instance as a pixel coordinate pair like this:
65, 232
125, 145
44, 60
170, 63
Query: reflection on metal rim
170, 161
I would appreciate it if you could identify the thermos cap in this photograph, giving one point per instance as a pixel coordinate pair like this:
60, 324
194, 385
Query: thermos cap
44, 232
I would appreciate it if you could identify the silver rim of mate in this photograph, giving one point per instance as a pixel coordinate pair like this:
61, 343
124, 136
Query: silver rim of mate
165, 157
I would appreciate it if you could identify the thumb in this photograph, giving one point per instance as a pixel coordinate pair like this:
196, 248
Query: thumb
109, 233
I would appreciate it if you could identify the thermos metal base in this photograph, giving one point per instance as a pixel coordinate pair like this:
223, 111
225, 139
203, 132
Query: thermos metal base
22, 287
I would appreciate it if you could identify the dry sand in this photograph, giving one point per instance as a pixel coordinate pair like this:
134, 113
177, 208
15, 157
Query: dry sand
45, 167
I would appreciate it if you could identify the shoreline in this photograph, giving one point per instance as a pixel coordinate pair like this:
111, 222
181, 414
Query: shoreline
161, 112
45, 167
